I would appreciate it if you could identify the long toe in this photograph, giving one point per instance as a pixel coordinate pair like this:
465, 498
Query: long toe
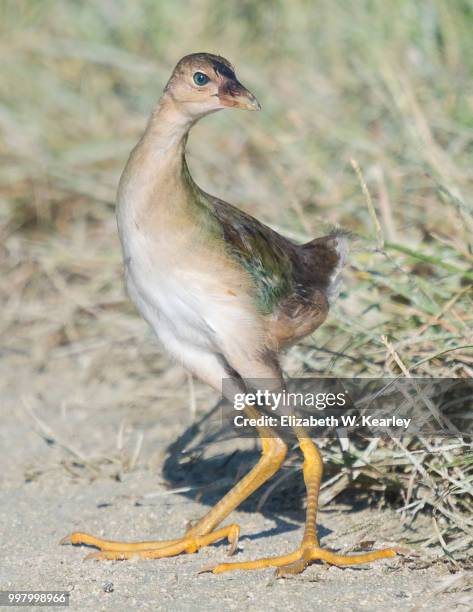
296, 562
189, 543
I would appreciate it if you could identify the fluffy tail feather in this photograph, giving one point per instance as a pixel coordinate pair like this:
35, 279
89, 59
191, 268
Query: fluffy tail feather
329, 254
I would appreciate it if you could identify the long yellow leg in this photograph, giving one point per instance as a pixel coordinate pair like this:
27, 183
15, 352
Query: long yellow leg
202, 533
309, 550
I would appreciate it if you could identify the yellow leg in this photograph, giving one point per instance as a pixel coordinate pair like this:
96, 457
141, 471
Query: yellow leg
309, 550
203, 532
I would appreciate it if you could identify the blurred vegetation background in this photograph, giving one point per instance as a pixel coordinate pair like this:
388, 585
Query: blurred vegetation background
367, 122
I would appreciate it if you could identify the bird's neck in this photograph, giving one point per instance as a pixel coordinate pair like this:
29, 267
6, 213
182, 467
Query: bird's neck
166, 135
156, 174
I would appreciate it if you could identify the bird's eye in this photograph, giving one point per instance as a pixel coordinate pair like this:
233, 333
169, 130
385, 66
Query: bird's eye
201, 79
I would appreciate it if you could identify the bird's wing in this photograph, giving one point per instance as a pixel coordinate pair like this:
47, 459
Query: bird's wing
279, 267
267, 256
293, 283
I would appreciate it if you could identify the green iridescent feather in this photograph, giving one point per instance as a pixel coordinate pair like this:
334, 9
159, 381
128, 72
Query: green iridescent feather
259, 251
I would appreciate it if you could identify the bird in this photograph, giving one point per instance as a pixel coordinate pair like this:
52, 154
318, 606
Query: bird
225, 294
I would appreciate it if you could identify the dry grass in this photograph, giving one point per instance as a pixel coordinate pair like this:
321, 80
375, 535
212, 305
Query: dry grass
387, 85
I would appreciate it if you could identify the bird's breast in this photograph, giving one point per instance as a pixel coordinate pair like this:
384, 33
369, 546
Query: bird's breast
183, 287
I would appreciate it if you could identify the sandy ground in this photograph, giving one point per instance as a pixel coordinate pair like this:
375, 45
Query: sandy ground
75, 457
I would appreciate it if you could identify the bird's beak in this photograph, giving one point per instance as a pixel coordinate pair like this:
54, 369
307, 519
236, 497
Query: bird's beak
231, 93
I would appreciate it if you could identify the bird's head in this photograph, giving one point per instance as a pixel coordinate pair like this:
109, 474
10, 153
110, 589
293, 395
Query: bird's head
203, 83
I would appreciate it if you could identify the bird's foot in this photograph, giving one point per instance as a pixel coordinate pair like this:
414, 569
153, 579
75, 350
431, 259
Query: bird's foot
296, 562
154, 549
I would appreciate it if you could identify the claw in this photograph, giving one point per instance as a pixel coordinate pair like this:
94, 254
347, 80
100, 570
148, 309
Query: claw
405, 552
233, 538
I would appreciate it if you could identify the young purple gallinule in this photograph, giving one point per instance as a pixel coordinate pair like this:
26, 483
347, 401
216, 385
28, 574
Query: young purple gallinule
224, 293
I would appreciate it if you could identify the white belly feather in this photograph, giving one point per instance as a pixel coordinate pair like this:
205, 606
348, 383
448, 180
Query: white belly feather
185, 304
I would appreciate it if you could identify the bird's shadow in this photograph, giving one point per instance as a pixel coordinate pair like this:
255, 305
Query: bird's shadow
194, 472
